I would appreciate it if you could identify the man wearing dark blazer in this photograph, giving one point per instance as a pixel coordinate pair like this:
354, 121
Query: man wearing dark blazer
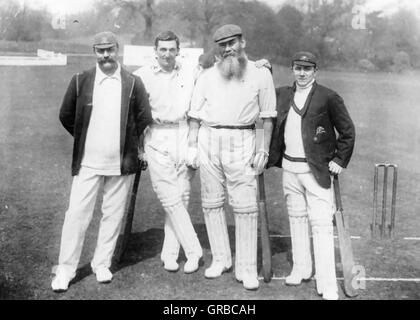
313, 139
106, 110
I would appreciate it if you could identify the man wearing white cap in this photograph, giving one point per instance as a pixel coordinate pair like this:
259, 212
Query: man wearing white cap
106, 110
305, 145
227, 100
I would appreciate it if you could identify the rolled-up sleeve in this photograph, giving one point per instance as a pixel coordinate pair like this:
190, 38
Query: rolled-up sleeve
267, 96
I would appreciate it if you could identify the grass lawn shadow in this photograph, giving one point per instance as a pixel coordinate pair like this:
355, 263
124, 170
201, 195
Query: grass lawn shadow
148, 244
82, 273
141, 246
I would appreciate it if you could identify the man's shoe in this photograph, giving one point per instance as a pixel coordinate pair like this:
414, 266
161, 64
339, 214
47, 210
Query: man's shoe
249, 282
170, 265
295, 278
103, 275
61, 281
216, 270
192, 265
330, 295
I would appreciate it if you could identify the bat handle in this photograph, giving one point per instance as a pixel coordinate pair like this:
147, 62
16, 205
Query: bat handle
261, 187
337, 193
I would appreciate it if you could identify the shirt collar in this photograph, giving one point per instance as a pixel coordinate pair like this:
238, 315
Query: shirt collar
156, 68
308, 86
101, 76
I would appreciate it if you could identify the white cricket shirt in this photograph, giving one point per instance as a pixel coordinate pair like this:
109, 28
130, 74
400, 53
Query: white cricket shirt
169, 92
293, 133
102, 146
219, 101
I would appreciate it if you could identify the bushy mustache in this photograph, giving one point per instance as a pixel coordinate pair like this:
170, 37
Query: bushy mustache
104, 60
228, 54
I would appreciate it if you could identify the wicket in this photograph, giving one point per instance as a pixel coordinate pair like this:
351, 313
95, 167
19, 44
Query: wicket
382, 224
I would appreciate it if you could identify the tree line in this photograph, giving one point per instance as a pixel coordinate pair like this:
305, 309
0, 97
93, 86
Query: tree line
339, 35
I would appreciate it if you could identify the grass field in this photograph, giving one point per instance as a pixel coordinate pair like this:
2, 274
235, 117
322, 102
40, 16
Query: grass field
35, 155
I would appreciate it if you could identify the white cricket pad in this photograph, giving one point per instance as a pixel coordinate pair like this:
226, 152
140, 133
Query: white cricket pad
184, 230
246, 246
171, 245
324, 257
217, 232
301, 250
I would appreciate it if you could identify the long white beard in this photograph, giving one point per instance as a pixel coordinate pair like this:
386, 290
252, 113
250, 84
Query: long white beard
233, 67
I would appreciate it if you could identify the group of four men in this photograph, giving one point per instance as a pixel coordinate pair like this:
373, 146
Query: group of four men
181, 123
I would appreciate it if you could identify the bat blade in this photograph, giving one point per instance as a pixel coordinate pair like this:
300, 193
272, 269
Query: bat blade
344, 241
267, 271
123, 239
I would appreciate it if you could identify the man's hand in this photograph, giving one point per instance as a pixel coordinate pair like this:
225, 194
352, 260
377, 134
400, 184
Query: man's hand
334, 168
142, 158
192, 158
260, 161
263, 63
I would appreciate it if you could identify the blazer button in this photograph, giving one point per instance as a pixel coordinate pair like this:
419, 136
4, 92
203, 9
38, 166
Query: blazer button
316, 139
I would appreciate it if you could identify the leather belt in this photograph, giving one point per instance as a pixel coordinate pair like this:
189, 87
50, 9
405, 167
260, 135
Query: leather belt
293, 159
249, 127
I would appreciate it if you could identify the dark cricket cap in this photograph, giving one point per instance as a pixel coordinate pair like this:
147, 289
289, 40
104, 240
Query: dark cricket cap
105, 40
304, 58
226, 33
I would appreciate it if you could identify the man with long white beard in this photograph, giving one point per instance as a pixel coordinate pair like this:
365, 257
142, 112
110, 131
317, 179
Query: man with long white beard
227, 100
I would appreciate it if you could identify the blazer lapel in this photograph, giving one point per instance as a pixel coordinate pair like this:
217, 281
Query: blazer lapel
127, 84
87, 97
308, 100
287, 105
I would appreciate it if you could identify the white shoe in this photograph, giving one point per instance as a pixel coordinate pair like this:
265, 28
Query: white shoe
103, 275
296, 277
330, 295
191, 265
250, 282
215, 270
238, 275
170, 265
61, 281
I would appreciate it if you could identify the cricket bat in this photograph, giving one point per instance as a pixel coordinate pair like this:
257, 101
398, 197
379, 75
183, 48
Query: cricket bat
124, 238
344, 242
264, 230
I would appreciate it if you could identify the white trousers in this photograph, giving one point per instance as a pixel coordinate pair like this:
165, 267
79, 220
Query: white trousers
83, 196
225, 162
225, 158
303, 193
166, 148
307, 202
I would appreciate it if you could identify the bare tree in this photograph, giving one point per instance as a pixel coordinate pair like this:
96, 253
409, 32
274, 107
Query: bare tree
10, 12
133, 8
201, 16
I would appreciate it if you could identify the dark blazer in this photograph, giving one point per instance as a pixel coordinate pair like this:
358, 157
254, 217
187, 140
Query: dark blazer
76, 110
328, 132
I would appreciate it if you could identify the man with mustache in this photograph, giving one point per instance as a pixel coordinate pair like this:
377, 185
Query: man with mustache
227, 100
106, 110
305, 145
170, 86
